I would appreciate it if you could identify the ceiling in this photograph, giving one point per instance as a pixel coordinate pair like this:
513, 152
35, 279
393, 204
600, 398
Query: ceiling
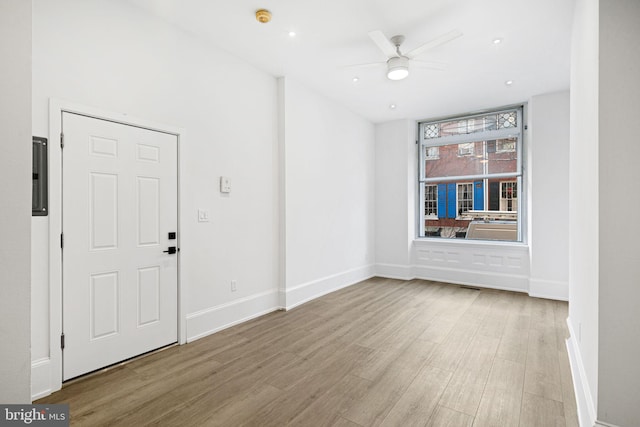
332, 34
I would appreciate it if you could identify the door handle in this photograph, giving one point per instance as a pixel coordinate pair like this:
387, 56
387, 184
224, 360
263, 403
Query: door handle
171, 250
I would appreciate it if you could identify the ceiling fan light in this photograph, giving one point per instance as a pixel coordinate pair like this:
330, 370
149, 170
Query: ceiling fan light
397, 73
397, 68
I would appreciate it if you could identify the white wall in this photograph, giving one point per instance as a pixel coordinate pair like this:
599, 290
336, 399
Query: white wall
328, 194
113, 57
300, 217
15, 193
395, 186
583, 209
548, 185
539, 268
619, 151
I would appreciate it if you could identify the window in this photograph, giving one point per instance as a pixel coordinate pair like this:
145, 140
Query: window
430, 200
470, 172
508, 196
465, 198
433, 153
465, 149
504, 145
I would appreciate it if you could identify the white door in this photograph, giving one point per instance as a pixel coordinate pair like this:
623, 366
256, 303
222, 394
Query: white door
119, 206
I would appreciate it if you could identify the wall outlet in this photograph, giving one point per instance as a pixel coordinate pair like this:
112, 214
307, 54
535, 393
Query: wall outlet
234, 286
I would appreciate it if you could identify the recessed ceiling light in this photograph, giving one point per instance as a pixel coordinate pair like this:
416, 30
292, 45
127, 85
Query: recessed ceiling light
292, 33
497, 41
356, 79
392, 106
509, 82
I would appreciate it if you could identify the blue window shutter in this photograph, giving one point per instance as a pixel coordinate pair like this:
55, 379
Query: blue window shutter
478, 195
451, 201
442, 200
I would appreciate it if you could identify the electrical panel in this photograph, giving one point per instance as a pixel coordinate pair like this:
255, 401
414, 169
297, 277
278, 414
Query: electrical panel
39, 192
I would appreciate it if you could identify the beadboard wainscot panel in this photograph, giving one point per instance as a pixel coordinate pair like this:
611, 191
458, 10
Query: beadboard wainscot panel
496, 265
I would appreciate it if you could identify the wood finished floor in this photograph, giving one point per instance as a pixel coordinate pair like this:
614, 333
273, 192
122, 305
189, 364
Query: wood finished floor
382, 352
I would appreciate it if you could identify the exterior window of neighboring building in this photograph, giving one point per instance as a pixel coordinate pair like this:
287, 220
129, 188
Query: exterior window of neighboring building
433, 153
431, 200
466, 149
503, 145
508, 196
465, 198
470, 173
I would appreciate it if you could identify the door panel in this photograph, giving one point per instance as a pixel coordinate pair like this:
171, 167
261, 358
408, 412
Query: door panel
103, 211
148, 204
104, 304
119, 204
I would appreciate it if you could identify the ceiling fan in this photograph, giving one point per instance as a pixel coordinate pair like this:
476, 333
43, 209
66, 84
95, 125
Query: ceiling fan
398, 62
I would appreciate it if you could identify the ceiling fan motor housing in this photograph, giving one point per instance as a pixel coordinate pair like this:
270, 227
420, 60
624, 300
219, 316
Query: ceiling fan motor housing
397, 67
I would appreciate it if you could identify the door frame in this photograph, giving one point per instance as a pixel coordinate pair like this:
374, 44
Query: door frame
56, 108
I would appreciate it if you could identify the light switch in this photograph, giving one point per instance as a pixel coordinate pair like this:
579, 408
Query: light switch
225, 184
203, 215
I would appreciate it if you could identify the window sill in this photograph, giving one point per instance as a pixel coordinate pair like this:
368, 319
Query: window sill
439, 241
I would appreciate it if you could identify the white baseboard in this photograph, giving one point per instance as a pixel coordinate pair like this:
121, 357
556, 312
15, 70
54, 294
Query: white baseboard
40, 378
311, 290
603, 424
395, 271
584, 399
538, 288
211, 320
477, 278
549, 289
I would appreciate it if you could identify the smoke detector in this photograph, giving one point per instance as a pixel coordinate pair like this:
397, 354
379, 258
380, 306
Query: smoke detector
263, 16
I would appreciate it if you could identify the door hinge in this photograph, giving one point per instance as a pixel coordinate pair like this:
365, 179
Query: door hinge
62, 341
61, 240
61, 140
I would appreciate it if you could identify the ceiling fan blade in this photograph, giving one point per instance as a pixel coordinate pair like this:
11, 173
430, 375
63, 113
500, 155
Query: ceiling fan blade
367, 65
383, 43
432, 65
451, 35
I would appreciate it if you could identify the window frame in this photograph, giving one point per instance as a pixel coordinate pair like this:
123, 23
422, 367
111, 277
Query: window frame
518, 132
